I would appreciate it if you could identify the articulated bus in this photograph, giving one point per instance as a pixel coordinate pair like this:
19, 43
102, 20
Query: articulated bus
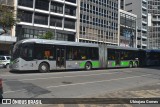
46, 55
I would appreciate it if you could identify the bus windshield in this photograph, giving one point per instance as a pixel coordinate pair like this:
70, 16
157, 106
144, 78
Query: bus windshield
24, 51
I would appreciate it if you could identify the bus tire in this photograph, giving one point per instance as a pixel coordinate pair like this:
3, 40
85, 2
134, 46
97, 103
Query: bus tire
136, 64
130, 65
88, 66
43, 67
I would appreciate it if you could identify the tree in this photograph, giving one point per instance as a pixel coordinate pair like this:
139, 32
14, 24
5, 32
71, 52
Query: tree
7, 18
48, 35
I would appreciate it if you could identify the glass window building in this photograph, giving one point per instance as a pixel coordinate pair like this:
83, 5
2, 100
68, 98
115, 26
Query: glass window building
98, 21
128, 29
154, 24
140, 8
40, 16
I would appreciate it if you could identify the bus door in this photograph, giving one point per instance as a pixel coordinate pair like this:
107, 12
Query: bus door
117, 58
60, 57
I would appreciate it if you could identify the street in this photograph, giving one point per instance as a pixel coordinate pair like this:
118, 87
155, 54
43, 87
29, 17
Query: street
108, 83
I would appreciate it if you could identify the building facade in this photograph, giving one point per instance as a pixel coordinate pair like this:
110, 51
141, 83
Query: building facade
128, 29
89, 21
98, 22
122, 4
41, 16
154, 24
6, 40
140, 8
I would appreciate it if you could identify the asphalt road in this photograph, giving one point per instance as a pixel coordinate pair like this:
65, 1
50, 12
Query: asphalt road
75, 84
82, 84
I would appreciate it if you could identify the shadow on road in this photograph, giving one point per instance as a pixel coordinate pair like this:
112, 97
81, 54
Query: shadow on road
76, 70
52, 71
152, 67
64, 70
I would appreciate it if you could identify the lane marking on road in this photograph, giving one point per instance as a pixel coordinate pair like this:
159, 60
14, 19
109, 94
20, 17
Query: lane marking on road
81, 105
66, 76
60, 105
97, 81
13, 91
128, 71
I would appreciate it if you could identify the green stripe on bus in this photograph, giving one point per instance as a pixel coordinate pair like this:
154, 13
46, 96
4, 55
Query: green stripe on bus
82, 64
95, 64
113, 64
124, 63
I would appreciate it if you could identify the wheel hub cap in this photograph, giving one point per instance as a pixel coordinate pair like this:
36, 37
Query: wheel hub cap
43, 68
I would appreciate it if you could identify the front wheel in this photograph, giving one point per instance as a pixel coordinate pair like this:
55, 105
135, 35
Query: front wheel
88, 66
43, 68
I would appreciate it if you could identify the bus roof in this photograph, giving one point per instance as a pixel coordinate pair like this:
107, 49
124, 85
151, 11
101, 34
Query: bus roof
44, 41
122, 48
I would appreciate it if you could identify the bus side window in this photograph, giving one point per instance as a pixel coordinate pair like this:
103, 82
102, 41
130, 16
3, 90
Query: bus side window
75, 54
69, 53
111, 54
94, 53
39, 56
47, 54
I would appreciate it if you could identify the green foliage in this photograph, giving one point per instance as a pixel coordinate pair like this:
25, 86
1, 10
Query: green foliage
48, 35
7, 18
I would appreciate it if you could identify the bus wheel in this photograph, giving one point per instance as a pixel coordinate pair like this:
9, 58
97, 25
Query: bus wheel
43, 68
130, 64
136, 64
88, 66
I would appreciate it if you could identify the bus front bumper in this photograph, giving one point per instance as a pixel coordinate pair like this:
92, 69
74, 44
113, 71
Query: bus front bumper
14, 67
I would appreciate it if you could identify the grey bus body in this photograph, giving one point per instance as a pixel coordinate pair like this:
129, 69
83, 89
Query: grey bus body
100, 61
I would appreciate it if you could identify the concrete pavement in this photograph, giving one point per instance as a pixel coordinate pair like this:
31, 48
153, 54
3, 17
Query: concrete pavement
73, 84
136, 82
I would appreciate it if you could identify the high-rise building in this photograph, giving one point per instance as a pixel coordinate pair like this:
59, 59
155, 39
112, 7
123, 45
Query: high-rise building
41, 16
90, 21
154, 24
128, 29
72, 20
99, 21
140, 8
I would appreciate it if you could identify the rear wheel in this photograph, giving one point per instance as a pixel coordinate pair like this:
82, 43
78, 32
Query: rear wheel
131, 65
136, 64
43, 68
88, 66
